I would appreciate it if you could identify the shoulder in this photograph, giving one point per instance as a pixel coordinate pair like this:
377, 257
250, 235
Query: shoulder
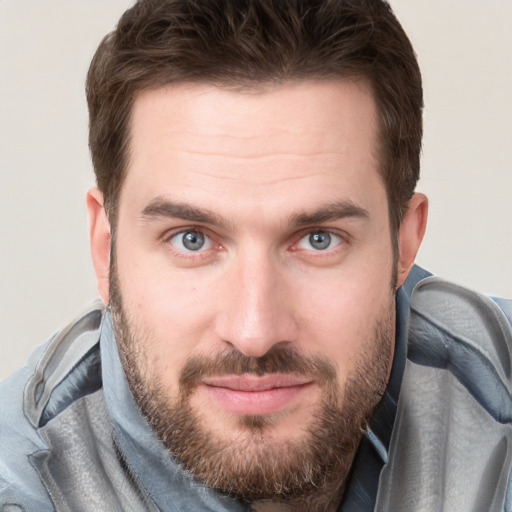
468, 333
452, 427
19, 484
57, 373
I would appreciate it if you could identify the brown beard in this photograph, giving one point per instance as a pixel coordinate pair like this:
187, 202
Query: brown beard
304, 473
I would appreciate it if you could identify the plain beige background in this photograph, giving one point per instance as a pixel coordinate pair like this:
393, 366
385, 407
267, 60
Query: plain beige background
46, 278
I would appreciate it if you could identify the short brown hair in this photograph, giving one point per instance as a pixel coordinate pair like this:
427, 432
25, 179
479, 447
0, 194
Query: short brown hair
242, 43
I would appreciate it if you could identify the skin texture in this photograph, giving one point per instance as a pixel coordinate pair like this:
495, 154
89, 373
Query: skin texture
256, 173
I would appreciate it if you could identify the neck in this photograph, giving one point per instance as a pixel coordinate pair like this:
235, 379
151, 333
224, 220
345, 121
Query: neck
321, 501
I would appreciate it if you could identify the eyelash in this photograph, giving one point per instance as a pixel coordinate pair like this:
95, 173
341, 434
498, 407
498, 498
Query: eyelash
189, 254
331, 237
340, 239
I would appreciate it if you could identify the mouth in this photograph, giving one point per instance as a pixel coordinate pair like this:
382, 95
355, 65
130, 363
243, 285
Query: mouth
254, 395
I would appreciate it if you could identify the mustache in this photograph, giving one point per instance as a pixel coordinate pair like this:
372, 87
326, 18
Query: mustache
279, 359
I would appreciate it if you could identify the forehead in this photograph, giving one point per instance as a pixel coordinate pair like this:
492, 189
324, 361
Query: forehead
307, 134
322, 113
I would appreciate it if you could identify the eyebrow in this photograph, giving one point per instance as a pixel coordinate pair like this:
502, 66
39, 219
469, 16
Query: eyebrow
332, 211
164, 208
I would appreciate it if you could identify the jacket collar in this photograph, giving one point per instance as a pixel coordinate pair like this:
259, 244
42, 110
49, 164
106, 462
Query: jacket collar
170, 487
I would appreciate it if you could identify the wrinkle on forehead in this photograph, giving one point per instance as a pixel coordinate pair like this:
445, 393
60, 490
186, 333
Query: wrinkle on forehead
265, 154
250, 175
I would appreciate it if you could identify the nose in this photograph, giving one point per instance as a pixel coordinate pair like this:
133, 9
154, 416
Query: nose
257, 311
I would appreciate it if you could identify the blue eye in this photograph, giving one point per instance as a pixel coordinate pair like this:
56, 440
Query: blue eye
191, 241
319, 241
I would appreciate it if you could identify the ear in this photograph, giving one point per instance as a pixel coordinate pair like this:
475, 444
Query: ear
100, 240
411, 232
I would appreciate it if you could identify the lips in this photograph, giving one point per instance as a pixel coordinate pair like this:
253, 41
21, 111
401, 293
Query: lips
255, 395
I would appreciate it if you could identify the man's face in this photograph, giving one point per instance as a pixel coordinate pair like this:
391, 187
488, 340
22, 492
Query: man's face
252, 286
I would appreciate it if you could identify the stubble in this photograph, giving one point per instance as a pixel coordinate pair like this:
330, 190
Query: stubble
304, 472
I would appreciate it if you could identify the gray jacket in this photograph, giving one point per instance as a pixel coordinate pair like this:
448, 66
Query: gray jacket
72, 438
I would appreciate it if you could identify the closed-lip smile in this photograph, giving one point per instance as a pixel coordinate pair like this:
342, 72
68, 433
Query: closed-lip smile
255, 395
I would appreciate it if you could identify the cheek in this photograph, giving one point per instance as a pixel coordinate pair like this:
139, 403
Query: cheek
340, 314
172, 312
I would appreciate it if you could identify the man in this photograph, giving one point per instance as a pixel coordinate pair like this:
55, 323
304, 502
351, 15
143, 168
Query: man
267, 343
